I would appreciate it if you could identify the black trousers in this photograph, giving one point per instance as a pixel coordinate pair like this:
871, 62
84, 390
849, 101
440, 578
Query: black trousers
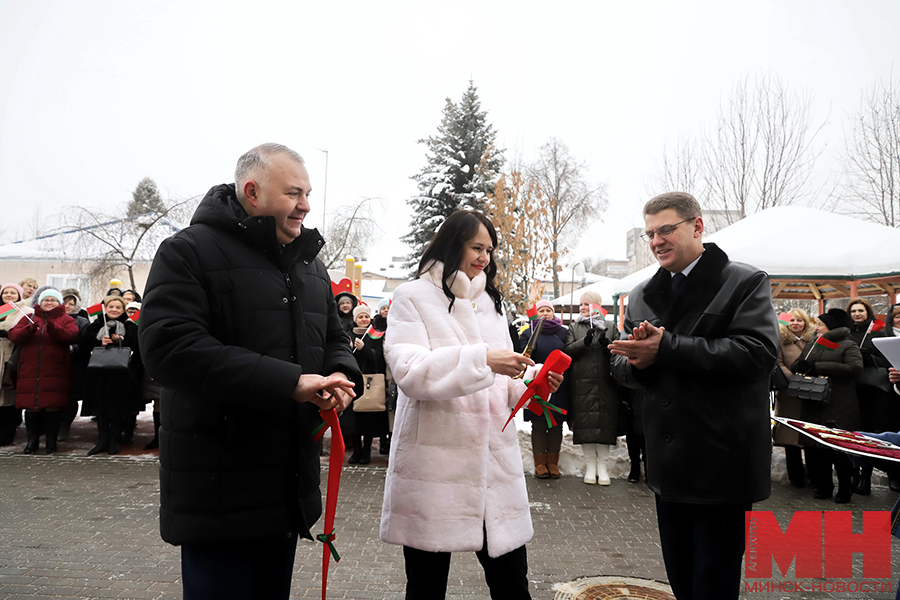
702, 545
426, 574
819, 461
260, 569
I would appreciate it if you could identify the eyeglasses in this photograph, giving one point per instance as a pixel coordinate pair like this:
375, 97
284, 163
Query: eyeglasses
664, 231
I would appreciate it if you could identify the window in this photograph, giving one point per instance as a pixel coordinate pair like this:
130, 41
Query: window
82, 283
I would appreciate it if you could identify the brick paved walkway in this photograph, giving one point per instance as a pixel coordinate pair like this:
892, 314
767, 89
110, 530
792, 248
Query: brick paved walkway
79, 527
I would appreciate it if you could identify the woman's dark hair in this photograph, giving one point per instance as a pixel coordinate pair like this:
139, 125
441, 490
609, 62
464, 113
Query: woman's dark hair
870, 312
447, 247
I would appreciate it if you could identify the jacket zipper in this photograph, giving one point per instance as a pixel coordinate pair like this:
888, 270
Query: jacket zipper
37, 381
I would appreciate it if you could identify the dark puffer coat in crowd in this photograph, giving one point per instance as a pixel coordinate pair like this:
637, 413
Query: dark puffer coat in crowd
230, 320
111, 392
841, 366
45, 364
594, 394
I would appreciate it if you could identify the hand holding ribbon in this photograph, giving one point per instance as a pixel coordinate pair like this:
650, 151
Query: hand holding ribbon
539, 388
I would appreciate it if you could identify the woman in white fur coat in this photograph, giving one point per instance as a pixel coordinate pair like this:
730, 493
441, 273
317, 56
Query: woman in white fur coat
455, 482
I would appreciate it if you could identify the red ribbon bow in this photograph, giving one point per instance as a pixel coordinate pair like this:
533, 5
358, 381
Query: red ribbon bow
539, 387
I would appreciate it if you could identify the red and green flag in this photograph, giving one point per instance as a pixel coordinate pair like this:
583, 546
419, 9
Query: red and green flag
95, 309
596, 308
374, 333
784, 318
532, 313
135, 316
876, 325
7, 309
821, 341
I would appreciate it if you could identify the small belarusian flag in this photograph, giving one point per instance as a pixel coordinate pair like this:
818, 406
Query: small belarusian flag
95, 309
821, 341
6, 310
135, 316
784, 318
374, 333
876, 325
532, 313
596, 308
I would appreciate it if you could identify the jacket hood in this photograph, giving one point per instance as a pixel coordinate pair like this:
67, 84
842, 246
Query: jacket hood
838, 334
220, 209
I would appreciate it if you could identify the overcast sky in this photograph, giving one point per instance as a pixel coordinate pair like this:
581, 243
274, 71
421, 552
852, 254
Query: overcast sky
96, 95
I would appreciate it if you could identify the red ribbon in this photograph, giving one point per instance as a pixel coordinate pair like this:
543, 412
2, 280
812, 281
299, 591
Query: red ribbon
557, 362
335, 462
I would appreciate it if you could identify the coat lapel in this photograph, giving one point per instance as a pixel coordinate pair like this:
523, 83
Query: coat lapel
701, 287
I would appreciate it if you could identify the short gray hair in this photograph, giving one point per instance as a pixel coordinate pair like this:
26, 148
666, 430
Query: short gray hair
256, 159
684, 204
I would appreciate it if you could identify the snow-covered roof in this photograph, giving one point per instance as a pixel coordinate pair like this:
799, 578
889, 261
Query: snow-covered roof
603, 286
74, 245
794, 241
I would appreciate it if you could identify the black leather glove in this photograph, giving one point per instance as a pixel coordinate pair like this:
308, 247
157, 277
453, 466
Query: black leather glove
589, 337
811, 372
803, 366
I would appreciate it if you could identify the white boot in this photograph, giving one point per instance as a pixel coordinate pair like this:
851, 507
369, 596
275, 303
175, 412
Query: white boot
602, 455
590, 457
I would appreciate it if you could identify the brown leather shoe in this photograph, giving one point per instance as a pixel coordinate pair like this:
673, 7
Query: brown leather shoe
540, 466
553, 465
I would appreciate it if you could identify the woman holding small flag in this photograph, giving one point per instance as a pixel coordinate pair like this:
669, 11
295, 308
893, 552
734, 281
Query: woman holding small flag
546, 438
595, 396
833, 354
12, 296
455, 482
873, 389
368, 348
45, 367
108, 392
797, 329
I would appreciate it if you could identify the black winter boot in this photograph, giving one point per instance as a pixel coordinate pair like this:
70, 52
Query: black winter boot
52, 420
33, 422
154, 443
102, 436
863, 487
365, 456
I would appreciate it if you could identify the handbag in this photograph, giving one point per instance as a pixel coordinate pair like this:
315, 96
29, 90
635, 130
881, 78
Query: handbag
816, 389
110, 357
11, 370
372, 398
875, 379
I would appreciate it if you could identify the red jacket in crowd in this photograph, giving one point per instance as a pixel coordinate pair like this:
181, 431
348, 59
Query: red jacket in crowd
45, 365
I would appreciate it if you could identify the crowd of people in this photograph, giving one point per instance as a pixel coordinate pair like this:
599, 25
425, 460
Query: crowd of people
47, 341
242, 381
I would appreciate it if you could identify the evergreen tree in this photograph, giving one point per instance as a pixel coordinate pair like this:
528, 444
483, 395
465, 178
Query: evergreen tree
463, 167
145, 199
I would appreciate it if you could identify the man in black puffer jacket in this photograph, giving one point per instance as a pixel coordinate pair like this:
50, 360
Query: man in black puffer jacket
240, 328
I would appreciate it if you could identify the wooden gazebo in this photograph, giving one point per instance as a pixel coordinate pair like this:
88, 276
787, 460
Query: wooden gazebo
809, 254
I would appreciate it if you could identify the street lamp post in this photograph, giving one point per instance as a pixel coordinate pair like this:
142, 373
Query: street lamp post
325, 191
577, 269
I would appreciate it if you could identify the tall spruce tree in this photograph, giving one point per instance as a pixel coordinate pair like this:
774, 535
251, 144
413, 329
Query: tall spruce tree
463, 167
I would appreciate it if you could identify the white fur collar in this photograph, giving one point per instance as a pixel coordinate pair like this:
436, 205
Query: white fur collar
461, 286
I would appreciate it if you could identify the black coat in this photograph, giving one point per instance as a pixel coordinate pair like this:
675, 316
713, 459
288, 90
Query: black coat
371, 361
547, 343
841, 365
596, 401
706, 408
230, 320
111, 393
